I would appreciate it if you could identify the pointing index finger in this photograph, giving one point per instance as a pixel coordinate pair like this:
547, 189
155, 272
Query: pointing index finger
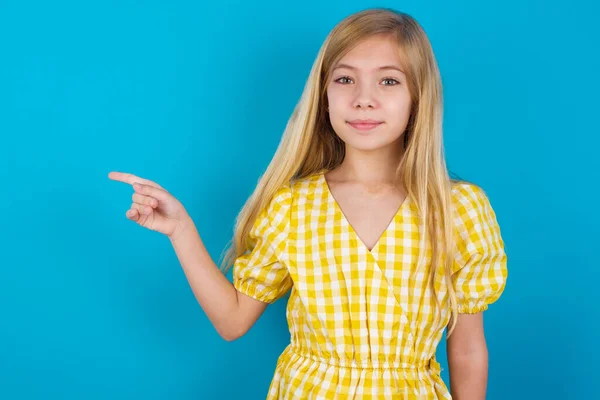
131, 179
148, 190
122, 177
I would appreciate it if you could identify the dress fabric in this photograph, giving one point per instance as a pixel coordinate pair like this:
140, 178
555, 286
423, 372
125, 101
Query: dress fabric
361, 322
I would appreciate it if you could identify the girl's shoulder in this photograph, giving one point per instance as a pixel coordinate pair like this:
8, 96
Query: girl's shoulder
306, 185
289, 193
472, 205
467, 193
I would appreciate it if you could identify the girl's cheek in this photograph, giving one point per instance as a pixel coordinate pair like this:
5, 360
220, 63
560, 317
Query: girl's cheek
332, 90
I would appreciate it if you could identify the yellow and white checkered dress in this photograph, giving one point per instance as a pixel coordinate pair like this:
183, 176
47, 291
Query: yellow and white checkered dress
361, 321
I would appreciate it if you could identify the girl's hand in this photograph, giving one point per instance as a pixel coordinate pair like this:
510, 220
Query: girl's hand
153, 207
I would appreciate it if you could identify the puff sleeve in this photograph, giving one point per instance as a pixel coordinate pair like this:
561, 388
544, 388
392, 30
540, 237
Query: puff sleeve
480, 265
261, 272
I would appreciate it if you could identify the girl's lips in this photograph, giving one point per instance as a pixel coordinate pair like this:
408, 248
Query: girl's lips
364, 125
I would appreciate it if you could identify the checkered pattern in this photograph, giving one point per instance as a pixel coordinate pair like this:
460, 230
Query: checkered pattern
361, 322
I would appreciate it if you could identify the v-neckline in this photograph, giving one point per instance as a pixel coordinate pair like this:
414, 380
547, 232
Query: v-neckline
353, 232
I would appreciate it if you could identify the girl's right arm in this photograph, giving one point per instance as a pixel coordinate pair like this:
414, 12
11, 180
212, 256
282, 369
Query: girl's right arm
231, 312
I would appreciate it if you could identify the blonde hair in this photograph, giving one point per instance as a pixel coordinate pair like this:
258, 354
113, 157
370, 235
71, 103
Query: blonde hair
309, 144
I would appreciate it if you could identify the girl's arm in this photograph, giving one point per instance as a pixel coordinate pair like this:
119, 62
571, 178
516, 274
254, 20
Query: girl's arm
468, 358
232, 313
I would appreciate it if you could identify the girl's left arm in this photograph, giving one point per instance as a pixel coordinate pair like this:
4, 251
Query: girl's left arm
468, 358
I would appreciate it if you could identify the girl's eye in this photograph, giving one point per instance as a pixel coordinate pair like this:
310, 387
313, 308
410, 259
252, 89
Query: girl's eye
344, 79
391, 80
341, 79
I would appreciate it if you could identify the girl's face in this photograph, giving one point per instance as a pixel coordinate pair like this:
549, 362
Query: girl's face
369, 102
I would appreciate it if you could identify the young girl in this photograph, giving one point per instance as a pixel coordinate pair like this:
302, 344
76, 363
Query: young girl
357, 216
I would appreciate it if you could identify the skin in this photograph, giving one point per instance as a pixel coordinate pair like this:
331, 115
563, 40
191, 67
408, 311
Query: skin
368, 83
363, 186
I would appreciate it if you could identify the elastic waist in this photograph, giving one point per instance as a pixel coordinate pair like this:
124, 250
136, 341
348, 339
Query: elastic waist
368, 364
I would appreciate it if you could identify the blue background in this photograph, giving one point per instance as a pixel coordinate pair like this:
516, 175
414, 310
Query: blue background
195, 97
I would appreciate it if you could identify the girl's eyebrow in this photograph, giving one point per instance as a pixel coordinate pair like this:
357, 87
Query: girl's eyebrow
394, 67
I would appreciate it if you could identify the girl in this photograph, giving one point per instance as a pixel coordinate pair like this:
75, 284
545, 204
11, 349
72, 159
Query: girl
357, 216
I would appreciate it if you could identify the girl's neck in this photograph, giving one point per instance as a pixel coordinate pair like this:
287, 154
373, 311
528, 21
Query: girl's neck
367, 170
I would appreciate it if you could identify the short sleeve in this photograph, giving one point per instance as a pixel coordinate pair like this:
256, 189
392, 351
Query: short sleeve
260, 272
480, 268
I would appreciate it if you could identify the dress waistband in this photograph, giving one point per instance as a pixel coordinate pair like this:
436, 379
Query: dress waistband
430, 364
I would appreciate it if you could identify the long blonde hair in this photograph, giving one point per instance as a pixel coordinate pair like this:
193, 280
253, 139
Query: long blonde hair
310, 145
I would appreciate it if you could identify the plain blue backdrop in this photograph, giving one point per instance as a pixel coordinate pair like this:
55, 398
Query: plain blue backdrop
195, 96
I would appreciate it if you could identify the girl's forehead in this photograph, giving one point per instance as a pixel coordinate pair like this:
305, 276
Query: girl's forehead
375, 63
373, 53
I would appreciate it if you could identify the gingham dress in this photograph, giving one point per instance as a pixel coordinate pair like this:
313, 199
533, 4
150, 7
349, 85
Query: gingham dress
361, 322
